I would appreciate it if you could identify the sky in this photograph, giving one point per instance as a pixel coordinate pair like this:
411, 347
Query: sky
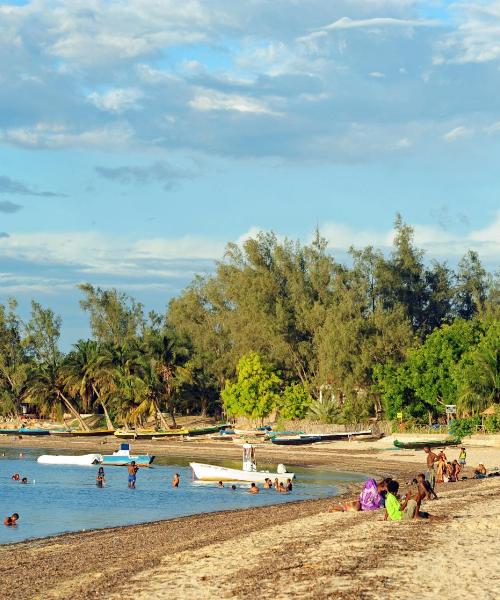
138, 137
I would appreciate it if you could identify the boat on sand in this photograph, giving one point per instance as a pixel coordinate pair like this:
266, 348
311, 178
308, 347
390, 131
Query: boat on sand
81, 432
25, 431
205, 472
84, 460
122, 457
416, 445
309, 438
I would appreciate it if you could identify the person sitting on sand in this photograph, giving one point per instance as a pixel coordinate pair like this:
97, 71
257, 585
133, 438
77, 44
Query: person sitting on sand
457, 469
132, 474
253, 489
425, 488
24, 480
220, 484
99, 480
289, 486
370, 498
450, 472
396, 510
480, 471
176, 480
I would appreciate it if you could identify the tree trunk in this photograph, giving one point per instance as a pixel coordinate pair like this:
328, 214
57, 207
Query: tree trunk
74, 412
159, 415
109, 422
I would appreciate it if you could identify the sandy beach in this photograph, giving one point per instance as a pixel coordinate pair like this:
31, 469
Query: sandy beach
297, 549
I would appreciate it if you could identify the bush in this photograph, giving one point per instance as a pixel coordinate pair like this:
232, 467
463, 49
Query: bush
464, 427
294, 402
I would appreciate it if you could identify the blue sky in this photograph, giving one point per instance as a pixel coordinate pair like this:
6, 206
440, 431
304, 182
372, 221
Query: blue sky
138, 137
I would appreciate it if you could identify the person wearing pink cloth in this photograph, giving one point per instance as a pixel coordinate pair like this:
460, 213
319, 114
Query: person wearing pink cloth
370, 498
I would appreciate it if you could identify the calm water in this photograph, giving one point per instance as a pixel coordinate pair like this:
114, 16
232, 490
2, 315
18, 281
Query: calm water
59, 499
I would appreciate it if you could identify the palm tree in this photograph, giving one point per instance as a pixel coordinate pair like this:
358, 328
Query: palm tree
45, 388
85, 375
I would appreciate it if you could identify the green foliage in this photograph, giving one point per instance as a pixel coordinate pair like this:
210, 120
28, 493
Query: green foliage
464, 427
324, 409
294, 402
256, 392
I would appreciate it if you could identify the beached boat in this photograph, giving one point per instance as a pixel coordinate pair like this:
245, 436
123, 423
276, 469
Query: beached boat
25, 431
249, 472
309, 438
122, 457
81, 432
206, 430
416, 445
148, 434
83, 460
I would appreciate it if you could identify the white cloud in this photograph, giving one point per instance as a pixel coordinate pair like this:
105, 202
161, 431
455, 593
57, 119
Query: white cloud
377, 75
457, 133
434, 240
116, 100
476, 39
54, 135
376, 22
208, 100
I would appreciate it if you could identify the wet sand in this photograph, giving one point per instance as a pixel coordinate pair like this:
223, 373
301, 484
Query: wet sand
297, 549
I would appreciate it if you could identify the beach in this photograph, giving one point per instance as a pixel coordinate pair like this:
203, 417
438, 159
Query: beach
297, 549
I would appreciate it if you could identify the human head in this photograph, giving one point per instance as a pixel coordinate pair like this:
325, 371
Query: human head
427, 449
24, 480
233, 487
421, 477
393, 487
220, 483
15, 517
252, 485
289, 480
101, 469
133, 463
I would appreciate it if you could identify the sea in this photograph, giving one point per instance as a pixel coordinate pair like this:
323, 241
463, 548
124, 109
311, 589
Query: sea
59, 499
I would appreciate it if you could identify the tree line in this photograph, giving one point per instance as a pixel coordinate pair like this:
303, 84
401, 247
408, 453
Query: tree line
278, 327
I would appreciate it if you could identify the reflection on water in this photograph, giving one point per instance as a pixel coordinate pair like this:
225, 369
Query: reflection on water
58, 499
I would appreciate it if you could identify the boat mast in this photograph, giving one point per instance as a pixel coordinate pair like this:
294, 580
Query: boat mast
249, 463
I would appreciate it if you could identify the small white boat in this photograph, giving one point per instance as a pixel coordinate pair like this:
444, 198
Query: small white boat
83, 460
122, 457
249, 472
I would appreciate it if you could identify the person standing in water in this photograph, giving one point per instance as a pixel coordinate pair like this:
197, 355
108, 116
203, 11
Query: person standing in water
99, 480
176, 480
132, 474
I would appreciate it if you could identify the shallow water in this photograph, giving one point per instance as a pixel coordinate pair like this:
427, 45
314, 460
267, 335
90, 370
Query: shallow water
59, 498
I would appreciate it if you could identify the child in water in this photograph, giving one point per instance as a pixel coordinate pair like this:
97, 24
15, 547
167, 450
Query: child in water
132, 474
12, 520
176, 480
99, 480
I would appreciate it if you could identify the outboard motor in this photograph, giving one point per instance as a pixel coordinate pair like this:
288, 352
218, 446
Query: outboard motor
281, 469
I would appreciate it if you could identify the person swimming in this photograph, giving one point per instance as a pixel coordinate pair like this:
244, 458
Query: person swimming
12, 520
220, 484
24, 480
281, 488
253, 489
233, 488
15, 477
289, 486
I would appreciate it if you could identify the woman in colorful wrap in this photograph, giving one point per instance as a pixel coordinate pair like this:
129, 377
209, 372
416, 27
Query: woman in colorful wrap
371, 498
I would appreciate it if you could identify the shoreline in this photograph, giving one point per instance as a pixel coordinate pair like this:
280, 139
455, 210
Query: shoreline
297, 548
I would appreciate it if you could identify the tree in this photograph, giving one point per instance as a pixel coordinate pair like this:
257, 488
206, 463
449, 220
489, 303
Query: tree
477, 374
255, 393
115, 318
471, 286
294, 402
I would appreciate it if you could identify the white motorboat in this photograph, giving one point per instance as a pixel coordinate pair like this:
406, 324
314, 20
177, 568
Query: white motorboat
249, 472
83, 460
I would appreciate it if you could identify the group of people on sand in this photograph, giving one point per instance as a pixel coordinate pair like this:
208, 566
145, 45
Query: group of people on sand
442, 470
385, 495
17, 477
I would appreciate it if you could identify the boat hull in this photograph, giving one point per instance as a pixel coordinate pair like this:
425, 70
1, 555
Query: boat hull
85, 460
431, 444
205, 472
149, 435
24, 431
77, 433
122, 461
303, 439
